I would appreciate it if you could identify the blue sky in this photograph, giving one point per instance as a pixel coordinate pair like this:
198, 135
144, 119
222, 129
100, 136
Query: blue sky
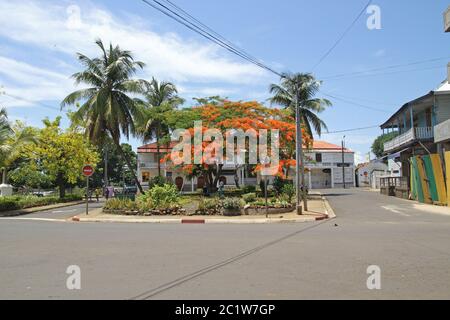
38, 41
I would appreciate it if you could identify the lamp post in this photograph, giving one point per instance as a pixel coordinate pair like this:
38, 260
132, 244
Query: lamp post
343, 161
265, 162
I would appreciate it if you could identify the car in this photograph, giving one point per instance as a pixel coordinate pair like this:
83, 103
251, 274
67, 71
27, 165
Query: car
130, 190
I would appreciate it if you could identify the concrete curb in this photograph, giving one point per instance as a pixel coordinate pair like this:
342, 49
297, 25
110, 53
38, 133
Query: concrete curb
200, 221
23, 212
329, 210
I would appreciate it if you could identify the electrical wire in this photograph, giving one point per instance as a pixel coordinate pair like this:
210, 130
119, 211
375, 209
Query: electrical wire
322, 59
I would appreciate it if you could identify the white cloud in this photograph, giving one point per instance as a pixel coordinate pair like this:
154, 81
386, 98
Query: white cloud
380, 53
70, 29
31, 83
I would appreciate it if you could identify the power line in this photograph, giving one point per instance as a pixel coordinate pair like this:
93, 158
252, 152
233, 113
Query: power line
342, 36
355, 103
185, 19
351, 130
386, 68
31, 101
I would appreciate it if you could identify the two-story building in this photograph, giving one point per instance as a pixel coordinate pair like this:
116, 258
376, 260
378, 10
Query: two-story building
323, 169
416, 123
423, 128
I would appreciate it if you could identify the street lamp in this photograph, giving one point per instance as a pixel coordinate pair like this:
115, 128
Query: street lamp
343, 161
265, 162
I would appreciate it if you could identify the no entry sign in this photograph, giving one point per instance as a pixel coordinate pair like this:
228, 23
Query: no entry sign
88, 170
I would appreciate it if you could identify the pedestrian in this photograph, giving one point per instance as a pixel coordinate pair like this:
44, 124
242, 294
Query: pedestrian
107, 194
221, 189
97, 194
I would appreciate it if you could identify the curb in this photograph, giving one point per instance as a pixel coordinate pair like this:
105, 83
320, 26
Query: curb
24, 212
202, 221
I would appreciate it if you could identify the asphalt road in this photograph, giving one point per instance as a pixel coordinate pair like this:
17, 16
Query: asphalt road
325, 260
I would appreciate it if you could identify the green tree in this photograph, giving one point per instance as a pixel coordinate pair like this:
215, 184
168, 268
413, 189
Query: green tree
106, 107
62, 154
160, 99
12, 139
307, 87
378, 144
28, 175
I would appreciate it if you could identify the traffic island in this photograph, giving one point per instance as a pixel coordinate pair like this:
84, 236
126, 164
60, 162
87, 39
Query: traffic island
319, 210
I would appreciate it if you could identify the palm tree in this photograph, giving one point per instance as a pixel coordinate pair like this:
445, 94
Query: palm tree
306, 87
12, 139
161, 98
106, 107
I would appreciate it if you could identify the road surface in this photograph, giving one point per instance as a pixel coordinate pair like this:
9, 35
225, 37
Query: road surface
323, 260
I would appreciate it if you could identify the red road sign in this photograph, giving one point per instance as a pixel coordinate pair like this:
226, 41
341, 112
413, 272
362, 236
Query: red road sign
88, 170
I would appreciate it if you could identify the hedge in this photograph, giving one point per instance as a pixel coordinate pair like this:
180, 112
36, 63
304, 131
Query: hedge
24, 202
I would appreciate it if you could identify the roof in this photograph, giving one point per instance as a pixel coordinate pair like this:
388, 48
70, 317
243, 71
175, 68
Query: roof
443, 88
328, 147
153, 148
317, 145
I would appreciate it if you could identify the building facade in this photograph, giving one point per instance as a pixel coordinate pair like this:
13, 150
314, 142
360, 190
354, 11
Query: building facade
323, 169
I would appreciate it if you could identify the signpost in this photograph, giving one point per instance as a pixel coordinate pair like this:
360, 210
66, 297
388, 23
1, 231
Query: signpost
88, 171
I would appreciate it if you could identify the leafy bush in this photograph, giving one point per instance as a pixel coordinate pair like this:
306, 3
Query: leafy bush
120, 204
209, 207
160, 197
157, 181
24, 202
232, 203
279, 183
248, 189
289, 192
249, 197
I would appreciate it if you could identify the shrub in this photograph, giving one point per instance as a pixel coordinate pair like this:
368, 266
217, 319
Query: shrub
157, 181
160, 197
248, 189
24, 202
289, 192
120, 204
262, 186
232, 203
249, 197
279, 183
209, 207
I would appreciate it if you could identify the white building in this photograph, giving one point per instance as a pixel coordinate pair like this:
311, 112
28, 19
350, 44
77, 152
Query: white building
324, 166
323, 169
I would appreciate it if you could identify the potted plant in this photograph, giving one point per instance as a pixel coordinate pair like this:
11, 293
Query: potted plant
232, 207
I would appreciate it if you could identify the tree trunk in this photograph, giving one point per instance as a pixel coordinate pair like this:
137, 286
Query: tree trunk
158, 150
128, 161
62, 186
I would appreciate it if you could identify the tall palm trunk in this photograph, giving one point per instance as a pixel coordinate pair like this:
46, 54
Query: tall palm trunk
158, 152
130, 166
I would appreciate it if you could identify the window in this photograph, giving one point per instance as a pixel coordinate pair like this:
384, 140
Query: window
318, 157
145, 176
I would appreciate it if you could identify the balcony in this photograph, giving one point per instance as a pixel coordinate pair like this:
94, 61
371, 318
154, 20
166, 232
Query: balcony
420, 133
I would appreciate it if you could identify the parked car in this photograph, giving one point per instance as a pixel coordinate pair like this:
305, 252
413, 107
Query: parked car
130, 190
43, 193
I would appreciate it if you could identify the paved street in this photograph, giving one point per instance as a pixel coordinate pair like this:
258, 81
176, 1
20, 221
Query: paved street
62, 213
325, 260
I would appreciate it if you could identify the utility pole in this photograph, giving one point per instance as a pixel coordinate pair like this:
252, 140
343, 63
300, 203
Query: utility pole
300, 168
106, 169
343, 161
